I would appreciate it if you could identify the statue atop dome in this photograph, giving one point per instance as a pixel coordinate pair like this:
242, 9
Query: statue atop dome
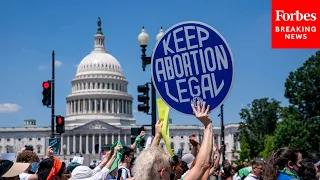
99, 26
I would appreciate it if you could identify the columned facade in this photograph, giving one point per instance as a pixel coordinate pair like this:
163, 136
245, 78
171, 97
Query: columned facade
99, 106
90, 143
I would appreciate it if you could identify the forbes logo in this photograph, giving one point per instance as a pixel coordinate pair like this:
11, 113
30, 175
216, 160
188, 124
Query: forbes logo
281, 15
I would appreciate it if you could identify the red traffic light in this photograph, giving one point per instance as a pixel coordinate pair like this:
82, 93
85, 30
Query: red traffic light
59, 120
46, 85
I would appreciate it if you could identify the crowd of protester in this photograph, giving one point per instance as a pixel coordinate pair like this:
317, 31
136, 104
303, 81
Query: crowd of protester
203, 163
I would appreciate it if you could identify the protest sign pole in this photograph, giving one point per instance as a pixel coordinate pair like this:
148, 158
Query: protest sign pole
153, 108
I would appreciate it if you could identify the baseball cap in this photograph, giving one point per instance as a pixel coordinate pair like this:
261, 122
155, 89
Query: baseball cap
188, 158
11, 169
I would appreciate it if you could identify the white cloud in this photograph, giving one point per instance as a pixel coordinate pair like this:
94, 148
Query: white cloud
42, 68
9, 108
57, 63
76, 66
134, 111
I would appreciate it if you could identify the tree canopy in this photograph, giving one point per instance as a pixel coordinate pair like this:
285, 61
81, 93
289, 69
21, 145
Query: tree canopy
302, 88
260, 120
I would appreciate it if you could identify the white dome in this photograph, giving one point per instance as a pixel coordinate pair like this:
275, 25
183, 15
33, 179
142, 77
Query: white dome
99, 61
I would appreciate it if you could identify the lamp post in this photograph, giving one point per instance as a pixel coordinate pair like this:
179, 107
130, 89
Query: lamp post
64, 148
143, 39
222, 134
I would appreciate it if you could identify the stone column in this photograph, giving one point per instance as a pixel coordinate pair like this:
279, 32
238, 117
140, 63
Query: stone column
61, 145
112, 138
67, 111
93, 144
95, 105
125, 139
80, 143
112, 105
100, 143
219, 141
118, 106
84, 105
71, 107
68, 144
119, 137
79, 106
89, 110
87, 143
74, 144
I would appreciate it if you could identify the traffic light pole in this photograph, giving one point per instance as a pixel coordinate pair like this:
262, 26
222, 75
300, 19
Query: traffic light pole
222, 134
153, 108
52, 99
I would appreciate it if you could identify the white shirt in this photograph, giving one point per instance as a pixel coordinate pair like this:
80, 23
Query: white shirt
125, 172
251, 177
24, 176
102, 175
183, 175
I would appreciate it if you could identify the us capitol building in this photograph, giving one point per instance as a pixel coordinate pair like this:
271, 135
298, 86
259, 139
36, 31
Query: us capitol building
99, 112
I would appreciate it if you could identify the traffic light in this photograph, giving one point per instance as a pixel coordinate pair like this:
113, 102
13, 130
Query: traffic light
60, 124
144, 98
46, 101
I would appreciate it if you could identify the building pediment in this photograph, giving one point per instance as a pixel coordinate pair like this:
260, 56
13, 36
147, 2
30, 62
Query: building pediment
96, 125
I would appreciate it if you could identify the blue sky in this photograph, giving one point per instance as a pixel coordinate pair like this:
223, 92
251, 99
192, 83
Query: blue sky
30, 30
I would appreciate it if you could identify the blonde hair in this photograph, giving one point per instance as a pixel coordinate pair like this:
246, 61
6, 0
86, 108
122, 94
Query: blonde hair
149, 162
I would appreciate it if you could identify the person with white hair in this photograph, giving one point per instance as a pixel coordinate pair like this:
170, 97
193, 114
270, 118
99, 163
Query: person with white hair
154, 163
99, 173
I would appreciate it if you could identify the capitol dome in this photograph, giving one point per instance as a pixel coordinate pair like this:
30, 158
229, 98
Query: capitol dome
97, 61
99, 89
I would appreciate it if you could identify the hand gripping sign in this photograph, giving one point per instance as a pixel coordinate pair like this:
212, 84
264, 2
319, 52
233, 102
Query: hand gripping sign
192, 62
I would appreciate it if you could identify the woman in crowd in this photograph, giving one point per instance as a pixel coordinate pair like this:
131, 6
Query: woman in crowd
154, 163
283, 164
27, 156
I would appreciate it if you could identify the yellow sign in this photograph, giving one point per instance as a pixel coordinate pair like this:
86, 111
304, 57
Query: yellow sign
163, 111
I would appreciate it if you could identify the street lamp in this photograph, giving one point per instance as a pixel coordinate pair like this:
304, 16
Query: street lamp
222, 133
143, 39
64, 148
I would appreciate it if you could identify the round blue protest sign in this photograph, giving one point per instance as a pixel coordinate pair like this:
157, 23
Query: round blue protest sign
192, 62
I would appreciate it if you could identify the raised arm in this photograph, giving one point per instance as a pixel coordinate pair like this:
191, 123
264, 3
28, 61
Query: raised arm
137, 140
216, 162
113, 157
202, 162
158, 136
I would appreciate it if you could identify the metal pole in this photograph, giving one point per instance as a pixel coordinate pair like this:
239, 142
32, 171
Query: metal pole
52, 98
153, 108
222, 135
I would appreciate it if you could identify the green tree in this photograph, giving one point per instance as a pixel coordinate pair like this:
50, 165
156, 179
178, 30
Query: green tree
292, 132
245, 149
302, 88
260, 119
268, 147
